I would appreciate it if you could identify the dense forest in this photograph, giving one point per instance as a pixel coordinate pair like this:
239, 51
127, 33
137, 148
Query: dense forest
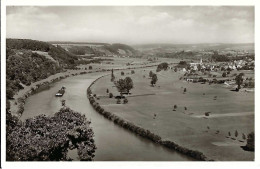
24, 66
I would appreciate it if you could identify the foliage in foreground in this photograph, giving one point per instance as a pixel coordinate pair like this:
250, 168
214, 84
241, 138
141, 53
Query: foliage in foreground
251, 142
45, 138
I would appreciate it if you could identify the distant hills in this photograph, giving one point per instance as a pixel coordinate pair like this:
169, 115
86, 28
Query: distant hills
203, 46
56, 52
28, 61
98, 49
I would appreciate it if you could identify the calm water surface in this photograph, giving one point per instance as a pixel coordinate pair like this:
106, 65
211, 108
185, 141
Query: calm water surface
113, 142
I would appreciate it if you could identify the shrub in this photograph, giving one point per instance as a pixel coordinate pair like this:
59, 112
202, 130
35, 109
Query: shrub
125, 101
118, 101
251, 141
162, 66
132, 72
243, 136
101, 110
122, 73
110, 95
107, 114
9, 93
90, 67
47, 139
207, 113
236, 133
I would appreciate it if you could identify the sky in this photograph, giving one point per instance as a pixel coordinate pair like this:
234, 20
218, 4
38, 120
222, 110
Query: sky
132, 24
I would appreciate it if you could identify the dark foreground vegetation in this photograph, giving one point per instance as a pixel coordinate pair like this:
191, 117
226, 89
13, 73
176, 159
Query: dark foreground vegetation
43, 138
250, 145
141, 131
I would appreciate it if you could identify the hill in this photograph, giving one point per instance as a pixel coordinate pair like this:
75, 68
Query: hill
98, 49
28, 61
63, 57
201, 46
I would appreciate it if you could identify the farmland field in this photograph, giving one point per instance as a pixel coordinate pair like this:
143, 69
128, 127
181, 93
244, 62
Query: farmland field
152, 108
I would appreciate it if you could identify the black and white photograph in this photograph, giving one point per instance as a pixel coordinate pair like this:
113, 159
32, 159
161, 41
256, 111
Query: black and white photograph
139, 83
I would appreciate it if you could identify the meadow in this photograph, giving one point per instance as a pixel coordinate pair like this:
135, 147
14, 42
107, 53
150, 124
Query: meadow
153, 108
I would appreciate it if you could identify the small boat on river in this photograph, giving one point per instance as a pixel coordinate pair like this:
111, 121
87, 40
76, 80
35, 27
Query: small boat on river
61, 92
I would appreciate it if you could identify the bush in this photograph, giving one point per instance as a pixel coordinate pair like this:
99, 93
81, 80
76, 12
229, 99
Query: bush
132, 72
243, 136
162, 66
118, 101
125, 101
90, 67
251, 142
43, 138
122, 73
236, 133
110, 95
9, 93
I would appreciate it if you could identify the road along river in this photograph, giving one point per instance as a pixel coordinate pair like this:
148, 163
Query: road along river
113, 143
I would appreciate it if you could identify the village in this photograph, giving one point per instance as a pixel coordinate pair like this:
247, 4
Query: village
218, 72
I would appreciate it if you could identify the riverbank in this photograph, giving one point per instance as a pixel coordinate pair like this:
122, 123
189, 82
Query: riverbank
18, 101
17, 104
141, 131
109, 148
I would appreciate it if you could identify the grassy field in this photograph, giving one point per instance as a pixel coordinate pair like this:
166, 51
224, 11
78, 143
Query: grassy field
230, 111
121, 63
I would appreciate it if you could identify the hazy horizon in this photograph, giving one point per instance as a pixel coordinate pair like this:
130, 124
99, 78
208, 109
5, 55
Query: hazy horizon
133, 25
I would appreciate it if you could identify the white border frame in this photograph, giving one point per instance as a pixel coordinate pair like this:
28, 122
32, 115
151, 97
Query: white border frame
94, 165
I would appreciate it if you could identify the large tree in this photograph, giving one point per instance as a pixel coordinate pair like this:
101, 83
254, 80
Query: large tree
112, 76
162, 66
128, 84
150, 74
120, 85
124, 85
154, 79
239, 80
251, 141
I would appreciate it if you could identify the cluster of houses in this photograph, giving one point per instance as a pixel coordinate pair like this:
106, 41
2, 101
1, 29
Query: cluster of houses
216, 66
195, 67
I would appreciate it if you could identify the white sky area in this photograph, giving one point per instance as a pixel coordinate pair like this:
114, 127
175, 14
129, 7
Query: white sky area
133, 25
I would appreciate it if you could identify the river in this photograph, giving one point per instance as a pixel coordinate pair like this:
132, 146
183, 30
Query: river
113, 142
